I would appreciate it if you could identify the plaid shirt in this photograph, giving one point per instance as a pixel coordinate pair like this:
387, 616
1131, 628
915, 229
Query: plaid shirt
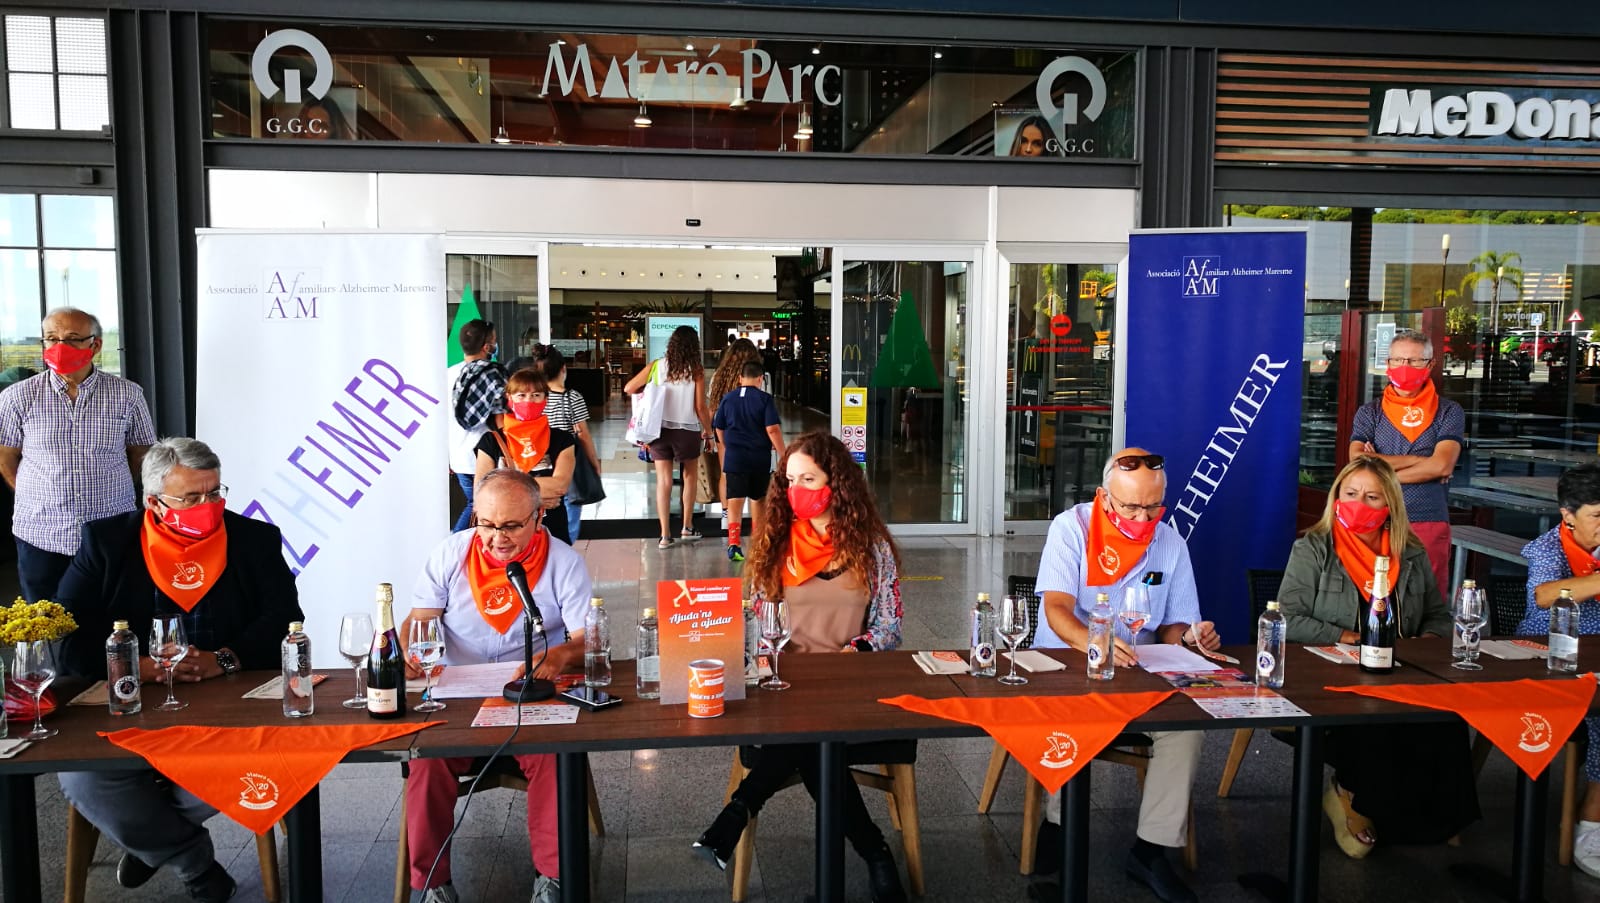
74, 465
485, 385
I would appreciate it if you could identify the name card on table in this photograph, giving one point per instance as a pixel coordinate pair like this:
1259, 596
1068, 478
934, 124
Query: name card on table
700, 619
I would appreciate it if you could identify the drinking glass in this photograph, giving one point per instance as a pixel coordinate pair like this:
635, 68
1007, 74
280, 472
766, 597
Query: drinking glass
1469, 619
1013, 627
1135, 612
168, 646
775, 629
34, 671
427, 648
355, 641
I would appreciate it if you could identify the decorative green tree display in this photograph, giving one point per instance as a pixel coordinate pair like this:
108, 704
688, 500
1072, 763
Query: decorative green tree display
466, 313
905, 360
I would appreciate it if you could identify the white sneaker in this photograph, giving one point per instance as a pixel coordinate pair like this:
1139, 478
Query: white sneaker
444, 893
546, 890
1586, 848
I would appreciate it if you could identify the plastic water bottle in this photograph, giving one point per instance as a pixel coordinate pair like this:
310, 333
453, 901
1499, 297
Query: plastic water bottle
122, 670
648, 660
1270, 633
1563, 634
597, 645
297, 698
1102, 664
1456, 644
984, 624
752, 645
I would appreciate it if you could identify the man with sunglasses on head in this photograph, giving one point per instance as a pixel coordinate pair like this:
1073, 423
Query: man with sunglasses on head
1106, 545
71, 440
464, 585
225, 576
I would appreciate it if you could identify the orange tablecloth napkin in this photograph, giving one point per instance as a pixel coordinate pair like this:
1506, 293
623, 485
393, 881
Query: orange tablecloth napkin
253, 774
1052, 736
1527, 719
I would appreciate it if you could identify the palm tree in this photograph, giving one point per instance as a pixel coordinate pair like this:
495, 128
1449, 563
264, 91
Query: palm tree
1495, 268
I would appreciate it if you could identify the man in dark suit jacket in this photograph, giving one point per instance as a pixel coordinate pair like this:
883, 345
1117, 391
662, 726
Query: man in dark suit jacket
183, 555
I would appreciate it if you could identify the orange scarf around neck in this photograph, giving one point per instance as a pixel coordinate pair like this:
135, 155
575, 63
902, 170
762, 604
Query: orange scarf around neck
498, 604
183, 568
1360, 562
1110, 554
1411, 415
526, 443
1581, 560
809, 553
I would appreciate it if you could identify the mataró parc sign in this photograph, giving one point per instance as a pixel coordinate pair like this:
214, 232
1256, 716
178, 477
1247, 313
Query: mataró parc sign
1487, 114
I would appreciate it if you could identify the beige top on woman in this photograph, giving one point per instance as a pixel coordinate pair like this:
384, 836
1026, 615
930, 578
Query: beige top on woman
825, 615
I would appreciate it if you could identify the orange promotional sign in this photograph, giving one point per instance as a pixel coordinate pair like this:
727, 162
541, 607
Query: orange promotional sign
699, 619
1052, 736
1528, 720
253, 775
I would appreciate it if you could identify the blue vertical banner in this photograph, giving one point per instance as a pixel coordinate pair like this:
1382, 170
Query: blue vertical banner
1213, 349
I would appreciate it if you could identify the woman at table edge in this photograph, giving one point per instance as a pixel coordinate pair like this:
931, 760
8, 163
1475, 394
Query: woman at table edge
1564, 558
824, 551
1407, 783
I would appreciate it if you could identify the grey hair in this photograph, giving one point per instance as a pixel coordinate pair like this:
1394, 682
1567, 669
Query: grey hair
1111, 463
174, 451
1412, 335
94, 321
511, 477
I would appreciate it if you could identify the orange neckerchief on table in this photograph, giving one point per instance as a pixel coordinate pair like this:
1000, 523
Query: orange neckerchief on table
183, 568
526, 441
1359, 561
1578, 558
498, 603
1528, 720
1110, 554
252, 774
1052, 736
1411, 415
809, 553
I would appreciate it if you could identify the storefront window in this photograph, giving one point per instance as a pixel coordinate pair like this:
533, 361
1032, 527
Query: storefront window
324, 82
56, 251
56, 74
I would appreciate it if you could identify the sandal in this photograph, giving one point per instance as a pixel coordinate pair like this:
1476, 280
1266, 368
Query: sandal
665, 543
1353, 831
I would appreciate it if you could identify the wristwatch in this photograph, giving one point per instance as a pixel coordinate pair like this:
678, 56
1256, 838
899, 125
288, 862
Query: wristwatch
227, 661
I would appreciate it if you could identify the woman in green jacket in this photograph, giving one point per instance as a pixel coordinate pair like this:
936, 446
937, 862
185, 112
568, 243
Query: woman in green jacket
1409, 783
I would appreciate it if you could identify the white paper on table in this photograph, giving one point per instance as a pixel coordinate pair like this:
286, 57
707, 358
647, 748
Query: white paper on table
472, 681
9, 748
504, 714
941, 662
1172, 657
1262, 705
273, 689
1036, 661
1514, 650
96, 694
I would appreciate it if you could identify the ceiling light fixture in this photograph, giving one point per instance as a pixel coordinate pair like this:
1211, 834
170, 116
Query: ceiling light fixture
938, 54
738, 100
501, 137
816, 50
804, 131
689, 47
642, 121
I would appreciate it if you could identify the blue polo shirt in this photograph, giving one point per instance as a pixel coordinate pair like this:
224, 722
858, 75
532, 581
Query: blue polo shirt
743, 416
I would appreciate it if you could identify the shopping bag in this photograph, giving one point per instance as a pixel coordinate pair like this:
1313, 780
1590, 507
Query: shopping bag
710, 488
586, 488
644, 423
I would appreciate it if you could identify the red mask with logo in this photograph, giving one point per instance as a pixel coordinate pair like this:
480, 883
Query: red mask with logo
1139, 531
527, 410
64, 358
1359, 517
808, 503
1408, 379
196, 523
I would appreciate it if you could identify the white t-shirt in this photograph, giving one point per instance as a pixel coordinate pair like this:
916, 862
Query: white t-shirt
463, 442
562, 594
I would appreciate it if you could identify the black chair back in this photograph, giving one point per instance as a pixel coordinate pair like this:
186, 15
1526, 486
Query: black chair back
1263, 586
1017, 585
1508, 603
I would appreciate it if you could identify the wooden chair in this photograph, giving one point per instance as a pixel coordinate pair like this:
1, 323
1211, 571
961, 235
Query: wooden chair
82, 836
503, 775
1132, 750
898, 779
1263, 585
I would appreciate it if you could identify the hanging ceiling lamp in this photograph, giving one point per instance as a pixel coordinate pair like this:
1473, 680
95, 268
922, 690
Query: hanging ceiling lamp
642, 121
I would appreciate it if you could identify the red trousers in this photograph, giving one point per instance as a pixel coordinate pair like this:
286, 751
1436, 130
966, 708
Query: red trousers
430, 813
1435, 536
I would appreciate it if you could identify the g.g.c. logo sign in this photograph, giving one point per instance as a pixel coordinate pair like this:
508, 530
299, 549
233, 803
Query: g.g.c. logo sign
321, 80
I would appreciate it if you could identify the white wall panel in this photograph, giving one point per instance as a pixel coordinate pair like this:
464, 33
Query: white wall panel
252, 199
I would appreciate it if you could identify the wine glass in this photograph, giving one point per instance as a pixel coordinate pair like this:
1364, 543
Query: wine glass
168, 646
355, 641
1469, 618
426, 646
1013, 627
1135, 611
775, 629
33, 671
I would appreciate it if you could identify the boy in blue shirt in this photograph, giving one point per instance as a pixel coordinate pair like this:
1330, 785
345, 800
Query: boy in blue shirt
747, 428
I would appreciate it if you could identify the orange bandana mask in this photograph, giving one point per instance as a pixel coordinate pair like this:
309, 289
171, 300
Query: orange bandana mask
809, 553
1360, 562
183, 568
526, 442
1578, 558
1411, 415
1110, 554
498, 603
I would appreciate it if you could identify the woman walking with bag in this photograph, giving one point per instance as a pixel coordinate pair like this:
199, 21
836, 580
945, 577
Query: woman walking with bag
685, 426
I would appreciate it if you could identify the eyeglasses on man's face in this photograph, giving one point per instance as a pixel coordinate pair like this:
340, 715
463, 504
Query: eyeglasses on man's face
195, 498
1130, 510
1410, 361
74, 341
505, 529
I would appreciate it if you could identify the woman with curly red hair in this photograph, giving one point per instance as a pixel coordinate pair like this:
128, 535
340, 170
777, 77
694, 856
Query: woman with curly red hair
825, 551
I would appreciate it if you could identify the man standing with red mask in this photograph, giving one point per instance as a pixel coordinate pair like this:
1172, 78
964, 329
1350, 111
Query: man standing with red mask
71, 439
1419, 434
1107, 545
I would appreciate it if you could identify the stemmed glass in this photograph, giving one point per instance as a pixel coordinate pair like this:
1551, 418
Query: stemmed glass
168, 646
34, 672
355, 641
1469, 618
1013, 627
775, 629
1135, 610
427, 648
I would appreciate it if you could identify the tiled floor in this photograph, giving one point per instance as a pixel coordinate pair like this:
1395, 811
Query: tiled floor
655, 802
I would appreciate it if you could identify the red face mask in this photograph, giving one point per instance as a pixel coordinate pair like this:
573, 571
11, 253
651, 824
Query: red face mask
527, 410
196, 523
808, 503
63, 358
1360, 517
1137, 530
1408, 379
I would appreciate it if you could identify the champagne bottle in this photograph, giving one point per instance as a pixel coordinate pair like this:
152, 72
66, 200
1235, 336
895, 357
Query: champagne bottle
386, 667
1380, 629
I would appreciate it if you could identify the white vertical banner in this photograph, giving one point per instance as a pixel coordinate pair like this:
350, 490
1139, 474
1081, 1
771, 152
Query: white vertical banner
320, 384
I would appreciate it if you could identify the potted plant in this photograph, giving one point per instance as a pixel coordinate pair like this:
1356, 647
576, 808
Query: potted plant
26, 631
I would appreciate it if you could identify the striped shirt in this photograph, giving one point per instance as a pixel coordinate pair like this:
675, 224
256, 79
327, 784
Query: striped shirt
74, 465
1061, 570
1429, 502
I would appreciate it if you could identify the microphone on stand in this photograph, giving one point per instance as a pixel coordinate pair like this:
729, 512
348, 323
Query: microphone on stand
528, 688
